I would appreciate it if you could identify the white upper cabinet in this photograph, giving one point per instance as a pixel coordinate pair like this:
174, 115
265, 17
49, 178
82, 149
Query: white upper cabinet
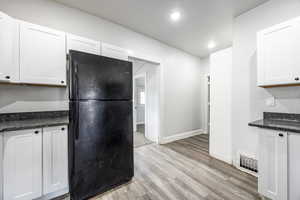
42, 55
83, 44
55, 159
9, 49
278, 54
112, 51
22, 165
273, 164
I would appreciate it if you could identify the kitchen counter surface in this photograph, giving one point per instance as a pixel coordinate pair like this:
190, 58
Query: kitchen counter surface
279, 121
20, 121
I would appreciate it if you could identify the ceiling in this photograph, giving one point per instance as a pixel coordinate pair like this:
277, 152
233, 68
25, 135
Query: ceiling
202, 20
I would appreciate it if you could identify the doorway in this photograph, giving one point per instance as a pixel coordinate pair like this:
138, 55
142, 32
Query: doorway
139, 110
145, 102
208, 104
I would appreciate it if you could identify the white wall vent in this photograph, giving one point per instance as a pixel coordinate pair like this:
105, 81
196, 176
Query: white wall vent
247, 163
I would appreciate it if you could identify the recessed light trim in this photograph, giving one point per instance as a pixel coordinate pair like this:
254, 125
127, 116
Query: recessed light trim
175, 16
211, 45
130, 52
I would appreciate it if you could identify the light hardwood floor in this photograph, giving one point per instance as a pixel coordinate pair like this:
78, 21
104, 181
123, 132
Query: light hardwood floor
139, 136
183, 170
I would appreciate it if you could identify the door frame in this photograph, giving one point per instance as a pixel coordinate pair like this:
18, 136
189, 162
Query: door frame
158, 63
207, 101
144, 76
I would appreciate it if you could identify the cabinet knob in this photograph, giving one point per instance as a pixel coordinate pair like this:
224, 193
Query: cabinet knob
36, 132
62, 82
7, 77
281, 135
62, 129
297, 79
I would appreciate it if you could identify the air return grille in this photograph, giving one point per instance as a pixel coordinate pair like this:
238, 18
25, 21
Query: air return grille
248, 164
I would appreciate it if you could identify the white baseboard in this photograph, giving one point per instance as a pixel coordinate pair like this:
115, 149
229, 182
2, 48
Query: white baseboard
54, 194
180, 136
222, 158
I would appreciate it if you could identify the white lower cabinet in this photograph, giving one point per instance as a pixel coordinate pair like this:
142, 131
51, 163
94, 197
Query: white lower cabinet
35, 163
55, 159
294, 166
273, 164
22, 165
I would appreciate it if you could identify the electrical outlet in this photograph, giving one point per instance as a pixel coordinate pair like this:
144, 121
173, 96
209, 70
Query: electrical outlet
271, 102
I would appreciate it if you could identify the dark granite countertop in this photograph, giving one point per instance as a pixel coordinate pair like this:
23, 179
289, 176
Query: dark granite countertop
279, 121
19, 121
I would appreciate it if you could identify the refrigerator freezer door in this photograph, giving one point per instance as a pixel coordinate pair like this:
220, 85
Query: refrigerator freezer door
93, 77
101, 151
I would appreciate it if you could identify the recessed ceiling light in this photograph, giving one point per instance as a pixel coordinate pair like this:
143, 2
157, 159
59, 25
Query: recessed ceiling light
130, 52
175, 16
211, 45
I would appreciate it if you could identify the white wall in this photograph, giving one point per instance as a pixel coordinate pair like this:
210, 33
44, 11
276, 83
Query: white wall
182, 94
181, 71
15, 98
220, 141
248, 102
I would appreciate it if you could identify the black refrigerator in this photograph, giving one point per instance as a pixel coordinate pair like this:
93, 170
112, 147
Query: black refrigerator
101, 124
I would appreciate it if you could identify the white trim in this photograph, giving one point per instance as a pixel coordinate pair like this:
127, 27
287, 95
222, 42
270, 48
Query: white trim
161, 119
180, 136
206, 103
53, 195
139, 123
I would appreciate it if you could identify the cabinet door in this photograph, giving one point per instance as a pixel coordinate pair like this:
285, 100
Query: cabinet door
112, 51
272, 181
294, 165
55, 159
278, 59
42, 55
22, 165
82, 44
9, 49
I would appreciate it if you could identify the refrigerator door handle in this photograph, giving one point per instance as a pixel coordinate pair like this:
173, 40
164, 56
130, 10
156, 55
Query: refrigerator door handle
76, 81
77, 121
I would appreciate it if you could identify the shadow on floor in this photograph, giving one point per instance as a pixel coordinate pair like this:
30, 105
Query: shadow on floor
139, 136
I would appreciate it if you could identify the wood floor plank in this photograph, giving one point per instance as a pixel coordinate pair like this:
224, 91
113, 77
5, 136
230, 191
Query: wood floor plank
184, 170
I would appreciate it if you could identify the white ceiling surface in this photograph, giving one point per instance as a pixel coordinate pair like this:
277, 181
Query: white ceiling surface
202, 20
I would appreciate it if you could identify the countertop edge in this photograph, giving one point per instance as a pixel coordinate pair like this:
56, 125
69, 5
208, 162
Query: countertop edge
32, 127
253, 124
